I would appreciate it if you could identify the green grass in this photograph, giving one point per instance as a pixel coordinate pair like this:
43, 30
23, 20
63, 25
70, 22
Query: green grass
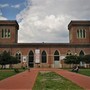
84, 72
5, 73
53, 81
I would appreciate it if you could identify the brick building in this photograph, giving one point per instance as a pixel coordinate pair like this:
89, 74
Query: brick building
45, 54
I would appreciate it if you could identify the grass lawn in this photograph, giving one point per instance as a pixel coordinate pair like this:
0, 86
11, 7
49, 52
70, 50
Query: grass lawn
53, 81
83, 71
5, 73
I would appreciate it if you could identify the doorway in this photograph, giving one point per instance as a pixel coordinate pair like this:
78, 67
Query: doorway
56, 59
31, 59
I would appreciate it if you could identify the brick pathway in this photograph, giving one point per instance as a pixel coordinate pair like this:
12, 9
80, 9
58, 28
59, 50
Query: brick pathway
81, 80
26, 80
22, 81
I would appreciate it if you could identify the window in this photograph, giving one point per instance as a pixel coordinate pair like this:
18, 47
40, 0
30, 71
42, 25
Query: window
78, 33
81, 33
81, 53
9, 33
44, 57
2, 33
6, 33
56, 56
69, 52
18, 56
31, 56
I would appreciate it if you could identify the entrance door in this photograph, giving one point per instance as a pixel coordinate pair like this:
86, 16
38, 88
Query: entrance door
56, 59
31, 59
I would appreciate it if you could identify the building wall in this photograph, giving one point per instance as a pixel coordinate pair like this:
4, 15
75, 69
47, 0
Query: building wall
79, 25
75, 39
50, 49
13, 27
50, 54
13, 37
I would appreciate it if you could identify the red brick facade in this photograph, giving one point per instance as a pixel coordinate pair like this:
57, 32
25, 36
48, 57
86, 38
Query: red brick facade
76, 25
47, 57
13, 27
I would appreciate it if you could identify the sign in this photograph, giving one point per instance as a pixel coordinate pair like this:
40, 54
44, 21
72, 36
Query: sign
37, 56
62, 57
24, 58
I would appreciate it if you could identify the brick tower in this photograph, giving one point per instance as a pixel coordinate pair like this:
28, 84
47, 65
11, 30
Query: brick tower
79, 32
8, 31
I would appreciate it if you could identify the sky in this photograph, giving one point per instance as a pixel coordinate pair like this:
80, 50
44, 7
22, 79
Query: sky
44, 20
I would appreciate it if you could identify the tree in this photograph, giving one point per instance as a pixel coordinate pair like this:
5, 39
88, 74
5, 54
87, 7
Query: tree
6, 58
86, 59
72, 59
13, 60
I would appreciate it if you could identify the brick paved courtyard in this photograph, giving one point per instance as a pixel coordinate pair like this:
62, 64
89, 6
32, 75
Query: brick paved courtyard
26, 80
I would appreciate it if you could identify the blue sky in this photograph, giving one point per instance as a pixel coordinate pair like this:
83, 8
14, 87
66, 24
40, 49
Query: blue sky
44, 20
10, 8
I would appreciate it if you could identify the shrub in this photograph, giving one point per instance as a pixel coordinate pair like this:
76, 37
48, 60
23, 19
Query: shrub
16, 70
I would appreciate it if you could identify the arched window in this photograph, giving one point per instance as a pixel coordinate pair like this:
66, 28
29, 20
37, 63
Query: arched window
6, 33
69, 52
31, 56
31, 59
56, 56
81, 33
78, 33
9, 34
18, 56
2, 33
44, 57
81, 53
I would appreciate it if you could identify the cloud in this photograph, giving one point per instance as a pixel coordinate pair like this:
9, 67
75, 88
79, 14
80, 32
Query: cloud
16, 6
47, 20
4, 5
1, 16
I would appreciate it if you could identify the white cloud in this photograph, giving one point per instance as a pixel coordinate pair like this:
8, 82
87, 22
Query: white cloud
1, 16
47, 20
4, 5
16, 6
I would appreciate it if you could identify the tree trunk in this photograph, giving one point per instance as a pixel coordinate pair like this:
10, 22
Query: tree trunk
10, 66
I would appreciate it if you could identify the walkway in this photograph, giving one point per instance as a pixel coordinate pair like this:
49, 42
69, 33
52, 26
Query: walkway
26, 80
22, 81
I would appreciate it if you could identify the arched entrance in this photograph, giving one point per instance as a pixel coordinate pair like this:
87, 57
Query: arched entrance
31, 59
56, 59
81, 53
44, 57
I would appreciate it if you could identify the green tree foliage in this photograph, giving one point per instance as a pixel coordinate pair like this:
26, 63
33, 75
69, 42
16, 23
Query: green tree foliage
81, 58
87, 58
6, 58
13, 60
72, 59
